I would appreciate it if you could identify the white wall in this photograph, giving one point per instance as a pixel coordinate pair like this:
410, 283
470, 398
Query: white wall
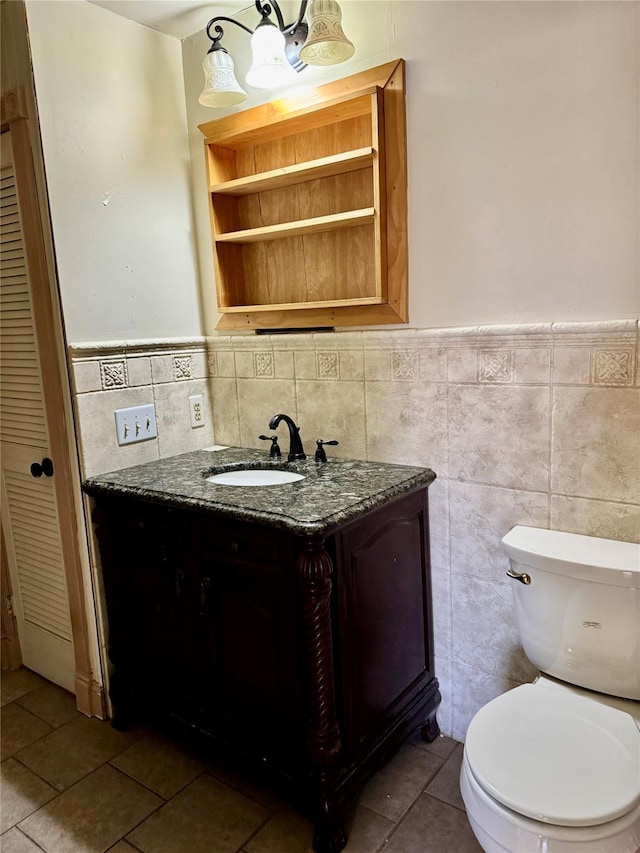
113, 120
523, 153
523, 160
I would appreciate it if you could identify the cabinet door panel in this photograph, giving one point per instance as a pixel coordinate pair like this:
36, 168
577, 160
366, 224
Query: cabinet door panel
157, 584
257, 643
384, 631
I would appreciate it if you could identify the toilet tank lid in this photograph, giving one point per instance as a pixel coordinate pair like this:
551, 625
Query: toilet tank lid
567, 553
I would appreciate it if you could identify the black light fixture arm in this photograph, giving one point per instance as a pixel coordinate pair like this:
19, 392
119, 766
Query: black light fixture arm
215, 40
265, 10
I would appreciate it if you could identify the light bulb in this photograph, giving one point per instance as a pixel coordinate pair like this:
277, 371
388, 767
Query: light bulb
270, 67
221, 89
326, 43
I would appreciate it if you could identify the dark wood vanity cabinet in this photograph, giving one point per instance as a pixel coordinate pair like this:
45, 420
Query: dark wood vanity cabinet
308, 657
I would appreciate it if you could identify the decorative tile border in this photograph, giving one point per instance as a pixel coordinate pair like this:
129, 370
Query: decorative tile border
182, 367
328, 365
583, 353
113, 374
109, 366
264, 365
405, 364
612, 366
496, 365
155, 346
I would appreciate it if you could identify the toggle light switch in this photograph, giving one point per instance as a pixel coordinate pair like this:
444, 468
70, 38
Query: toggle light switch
137, 423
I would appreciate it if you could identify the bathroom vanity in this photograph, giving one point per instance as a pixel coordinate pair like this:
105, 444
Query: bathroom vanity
288, 628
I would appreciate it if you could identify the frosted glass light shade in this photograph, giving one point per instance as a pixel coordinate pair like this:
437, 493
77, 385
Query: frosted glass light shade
221, 89
326, 43
270, 67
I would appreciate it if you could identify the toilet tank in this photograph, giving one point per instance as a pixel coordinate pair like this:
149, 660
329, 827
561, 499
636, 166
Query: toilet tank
579, 617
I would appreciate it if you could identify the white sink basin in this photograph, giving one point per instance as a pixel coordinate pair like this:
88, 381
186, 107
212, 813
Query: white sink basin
254, 477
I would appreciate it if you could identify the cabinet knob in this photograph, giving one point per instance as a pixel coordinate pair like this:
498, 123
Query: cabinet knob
205, 583
179, 581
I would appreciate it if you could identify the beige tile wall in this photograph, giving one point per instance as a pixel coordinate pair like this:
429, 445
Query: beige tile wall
115, 375
534, 425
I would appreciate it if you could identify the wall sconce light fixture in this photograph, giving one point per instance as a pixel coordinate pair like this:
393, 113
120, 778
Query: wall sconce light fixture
278, 50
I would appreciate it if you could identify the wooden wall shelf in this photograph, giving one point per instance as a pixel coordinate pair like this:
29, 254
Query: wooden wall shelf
308, 206
333, 222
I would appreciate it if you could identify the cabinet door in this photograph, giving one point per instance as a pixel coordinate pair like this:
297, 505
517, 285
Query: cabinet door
385, 606
252, 629
156, 618
257, 643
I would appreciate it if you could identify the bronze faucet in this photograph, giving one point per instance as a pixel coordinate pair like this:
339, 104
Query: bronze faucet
296, 451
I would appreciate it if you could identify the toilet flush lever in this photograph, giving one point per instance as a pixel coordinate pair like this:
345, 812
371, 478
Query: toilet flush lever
523, 577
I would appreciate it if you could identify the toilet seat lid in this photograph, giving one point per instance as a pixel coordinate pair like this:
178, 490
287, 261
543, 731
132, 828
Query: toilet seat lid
556, 757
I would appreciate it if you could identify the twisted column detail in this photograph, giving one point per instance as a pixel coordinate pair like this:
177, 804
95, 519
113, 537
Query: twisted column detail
314, 569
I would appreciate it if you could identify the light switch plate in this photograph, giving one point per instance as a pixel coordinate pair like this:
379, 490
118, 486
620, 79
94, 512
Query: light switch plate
137, 423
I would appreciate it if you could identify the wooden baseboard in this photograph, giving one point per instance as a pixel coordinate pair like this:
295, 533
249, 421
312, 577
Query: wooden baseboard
90, 697
10, 654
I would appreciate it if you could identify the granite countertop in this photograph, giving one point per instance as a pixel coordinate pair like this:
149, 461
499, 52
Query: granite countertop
331, 494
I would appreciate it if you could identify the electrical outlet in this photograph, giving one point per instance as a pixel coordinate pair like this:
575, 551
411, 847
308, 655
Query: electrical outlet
136, 424
196, 411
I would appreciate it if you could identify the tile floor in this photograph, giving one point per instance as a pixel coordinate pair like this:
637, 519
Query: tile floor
75, 785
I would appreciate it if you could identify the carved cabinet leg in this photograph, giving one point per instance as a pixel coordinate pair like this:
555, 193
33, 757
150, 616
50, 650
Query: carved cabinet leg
314, 570
431, 730
329, 836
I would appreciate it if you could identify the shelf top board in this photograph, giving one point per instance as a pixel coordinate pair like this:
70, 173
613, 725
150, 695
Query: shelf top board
296, 121
265, 121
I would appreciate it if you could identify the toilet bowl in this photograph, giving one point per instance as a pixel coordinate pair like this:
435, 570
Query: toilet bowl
546, 770
554, 766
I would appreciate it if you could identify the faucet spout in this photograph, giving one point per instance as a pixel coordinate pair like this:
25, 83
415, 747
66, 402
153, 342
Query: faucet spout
296, 451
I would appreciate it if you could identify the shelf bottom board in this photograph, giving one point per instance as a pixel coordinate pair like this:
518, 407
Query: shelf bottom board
298, 316
297, 306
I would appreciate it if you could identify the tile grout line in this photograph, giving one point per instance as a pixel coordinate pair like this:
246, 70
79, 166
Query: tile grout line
430, 780
35, 843
75, 782
413, 803
160, 806
256, 831
143, 784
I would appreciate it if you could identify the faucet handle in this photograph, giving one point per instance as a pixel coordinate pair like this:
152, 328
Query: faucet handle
274, 452
321, 456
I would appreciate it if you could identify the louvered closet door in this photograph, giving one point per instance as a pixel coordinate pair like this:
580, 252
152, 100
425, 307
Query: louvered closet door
29, 506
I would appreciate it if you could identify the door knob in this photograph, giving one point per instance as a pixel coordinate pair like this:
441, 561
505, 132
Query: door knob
39, 468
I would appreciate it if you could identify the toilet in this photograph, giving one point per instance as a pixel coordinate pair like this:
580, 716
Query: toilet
554, 766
